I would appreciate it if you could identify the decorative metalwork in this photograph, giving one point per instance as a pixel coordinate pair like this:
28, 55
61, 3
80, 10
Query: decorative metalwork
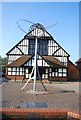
37, 25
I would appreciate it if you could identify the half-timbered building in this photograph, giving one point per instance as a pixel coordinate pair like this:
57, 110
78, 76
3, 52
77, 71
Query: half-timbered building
52, 59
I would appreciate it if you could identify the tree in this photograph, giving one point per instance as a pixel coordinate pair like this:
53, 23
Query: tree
3, 62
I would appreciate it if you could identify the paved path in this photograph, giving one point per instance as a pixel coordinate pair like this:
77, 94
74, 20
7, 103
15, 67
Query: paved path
56, 97
73, 86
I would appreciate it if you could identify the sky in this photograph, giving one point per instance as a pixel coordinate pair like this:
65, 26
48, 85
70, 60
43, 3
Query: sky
65, 14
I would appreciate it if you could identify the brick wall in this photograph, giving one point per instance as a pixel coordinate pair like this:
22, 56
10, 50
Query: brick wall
44, 80
20, 113
73, 71
14, 77
79, 66
58, 78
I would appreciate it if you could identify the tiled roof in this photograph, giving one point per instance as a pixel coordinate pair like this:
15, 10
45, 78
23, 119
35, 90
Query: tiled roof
20, 61
53, 61
78, 61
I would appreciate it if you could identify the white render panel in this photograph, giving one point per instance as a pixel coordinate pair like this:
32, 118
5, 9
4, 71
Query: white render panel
49, 43
53, 50
49, 50
39, 62
38, 32
26, 70
61, 52
46, 34
27, 75
60, 59
15, 51
53, 43
46, 64
42, 75
52, 47
46, 70
65, 59
27, 41
56, 44
23, 46
25, 50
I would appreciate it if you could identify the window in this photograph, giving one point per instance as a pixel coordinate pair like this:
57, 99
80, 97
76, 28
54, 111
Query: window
64, 74
54, 70
64, 70
9, 69
15, 71
56, 74
31, 47
42, 47
29, 70
52, 73
60, 74
43, 72
60, 70
9, 73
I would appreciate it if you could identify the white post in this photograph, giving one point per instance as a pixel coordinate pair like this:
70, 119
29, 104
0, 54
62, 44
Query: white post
35, 67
